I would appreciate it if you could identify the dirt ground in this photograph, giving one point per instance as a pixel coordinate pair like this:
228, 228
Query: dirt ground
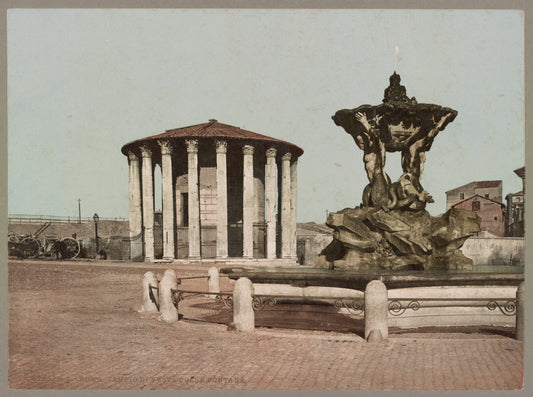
76, 325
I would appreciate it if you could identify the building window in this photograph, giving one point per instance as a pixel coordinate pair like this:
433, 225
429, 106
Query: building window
475, 206
461, 196
495, 218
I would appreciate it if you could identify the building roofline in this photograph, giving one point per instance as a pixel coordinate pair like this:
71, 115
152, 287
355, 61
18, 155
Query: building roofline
458, 187
499, 181
520, 193
521, 172
482, 197
212, 130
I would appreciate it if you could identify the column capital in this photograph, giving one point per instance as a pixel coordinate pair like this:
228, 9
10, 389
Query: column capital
222, 145
286, 157
192, 145
166, 146
248, 149
132, 156
271, 152
146, 151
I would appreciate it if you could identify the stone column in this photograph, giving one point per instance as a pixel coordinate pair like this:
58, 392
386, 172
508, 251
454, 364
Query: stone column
294, 166
169, 313
520, 311
243, 312
168, 200
376, 311
136, 226
248, 202
270, 203
150, 280
194, 199
213, 282
148, 203
286, 240
222, 200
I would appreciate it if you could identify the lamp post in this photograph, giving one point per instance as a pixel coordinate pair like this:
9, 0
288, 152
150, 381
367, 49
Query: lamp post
96, 218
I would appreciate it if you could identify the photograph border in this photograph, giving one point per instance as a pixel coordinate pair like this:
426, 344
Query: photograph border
524, 5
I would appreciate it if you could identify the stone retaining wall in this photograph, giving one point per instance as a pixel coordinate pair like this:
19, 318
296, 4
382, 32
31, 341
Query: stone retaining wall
82, 230
495, 250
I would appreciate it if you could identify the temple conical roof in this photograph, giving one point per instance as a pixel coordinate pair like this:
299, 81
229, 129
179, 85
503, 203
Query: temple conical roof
213, 130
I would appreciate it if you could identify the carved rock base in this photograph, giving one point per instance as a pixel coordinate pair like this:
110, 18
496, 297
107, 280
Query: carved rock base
373, 239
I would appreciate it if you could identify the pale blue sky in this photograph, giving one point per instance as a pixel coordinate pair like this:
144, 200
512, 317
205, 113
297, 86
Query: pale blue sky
81, 83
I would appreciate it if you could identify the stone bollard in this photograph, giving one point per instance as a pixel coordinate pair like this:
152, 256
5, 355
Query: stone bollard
213, 282
376, 311
149, 279
169, 313
520, 312
243, 312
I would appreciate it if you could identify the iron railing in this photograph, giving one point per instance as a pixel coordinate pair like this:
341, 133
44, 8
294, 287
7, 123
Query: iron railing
224, 300
353, 305
153, 296
398, 306
23, 218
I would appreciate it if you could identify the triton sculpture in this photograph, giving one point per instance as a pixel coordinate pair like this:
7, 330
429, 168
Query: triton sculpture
391, 228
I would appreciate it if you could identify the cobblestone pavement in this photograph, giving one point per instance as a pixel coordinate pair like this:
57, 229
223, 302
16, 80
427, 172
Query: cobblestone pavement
75, 325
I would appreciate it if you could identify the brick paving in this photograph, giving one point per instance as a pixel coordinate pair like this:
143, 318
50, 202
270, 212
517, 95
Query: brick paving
76, 325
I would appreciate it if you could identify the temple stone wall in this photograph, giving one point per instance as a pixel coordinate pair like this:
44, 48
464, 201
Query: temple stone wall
234, 178
259, 188
208, 196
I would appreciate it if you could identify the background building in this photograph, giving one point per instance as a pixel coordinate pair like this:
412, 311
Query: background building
226, 192
515, 208
491, 212
485, 199
488, 189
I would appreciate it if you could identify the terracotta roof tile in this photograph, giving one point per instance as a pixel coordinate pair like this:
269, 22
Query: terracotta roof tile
521, 172
487, 184
212, 129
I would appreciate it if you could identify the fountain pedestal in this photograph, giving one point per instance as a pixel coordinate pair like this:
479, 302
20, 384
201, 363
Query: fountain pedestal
371, 238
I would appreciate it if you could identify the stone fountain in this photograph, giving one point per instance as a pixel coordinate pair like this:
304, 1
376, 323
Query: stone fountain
390, 236
390, 242
391, 229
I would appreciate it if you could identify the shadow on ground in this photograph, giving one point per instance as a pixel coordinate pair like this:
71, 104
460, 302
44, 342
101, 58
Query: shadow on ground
317, 318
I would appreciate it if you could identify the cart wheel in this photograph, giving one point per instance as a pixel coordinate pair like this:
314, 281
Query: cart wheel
56, 250
30, 247
71, 248
12, 238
